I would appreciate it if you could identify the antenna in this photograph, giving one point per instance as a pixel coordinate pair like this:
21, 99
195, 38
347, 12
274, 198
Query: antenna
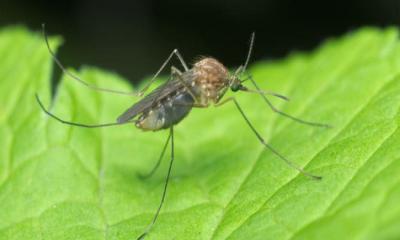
253, 34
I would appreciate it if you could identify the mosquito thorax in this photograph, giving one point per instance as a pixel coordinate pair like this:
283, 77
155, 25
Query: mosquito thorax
210, 77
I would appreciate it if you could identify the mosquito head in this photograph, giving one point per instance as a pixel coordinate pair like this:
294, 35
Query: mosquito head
235, 83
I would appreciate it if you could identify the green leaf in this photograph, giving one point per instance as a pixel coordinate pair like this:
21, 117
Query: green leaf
63, 182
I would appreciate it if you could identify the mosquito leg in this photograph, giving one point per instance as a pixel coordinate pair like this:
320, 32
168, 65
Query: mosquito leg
94, 87
283, 113
73, 76
291, 164
264, 92
180, 58
155, 167
144, 234
74, 123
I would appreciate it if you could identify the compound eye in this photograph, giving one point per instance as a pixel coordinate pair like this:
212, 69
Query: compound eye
235, 87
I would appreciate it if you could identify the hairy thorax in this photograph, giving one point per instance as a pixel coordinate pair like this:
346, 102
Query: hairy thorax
210, 79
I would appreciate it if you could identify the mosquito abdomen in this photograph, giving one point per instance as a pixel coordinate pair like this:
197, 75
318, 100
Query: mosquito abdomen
166, 113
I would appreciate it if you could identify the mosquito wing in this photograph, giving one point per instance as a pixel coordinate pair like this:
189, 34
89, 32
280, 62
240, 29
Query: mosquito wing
151, 99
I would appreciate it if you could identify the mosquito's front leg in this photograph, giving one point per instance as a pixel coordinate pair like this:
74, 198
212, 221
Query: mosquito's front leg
273, 108
262, 141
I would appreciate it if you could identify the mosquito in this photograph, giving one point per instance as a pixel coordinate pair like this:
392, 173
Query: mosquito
201, 86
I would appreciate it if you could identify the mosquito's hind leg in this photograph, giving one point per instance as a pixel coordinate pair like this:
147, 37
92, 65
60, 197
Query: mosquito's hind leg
155, 167
149, 227
75, 123
94, 87
73, 76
